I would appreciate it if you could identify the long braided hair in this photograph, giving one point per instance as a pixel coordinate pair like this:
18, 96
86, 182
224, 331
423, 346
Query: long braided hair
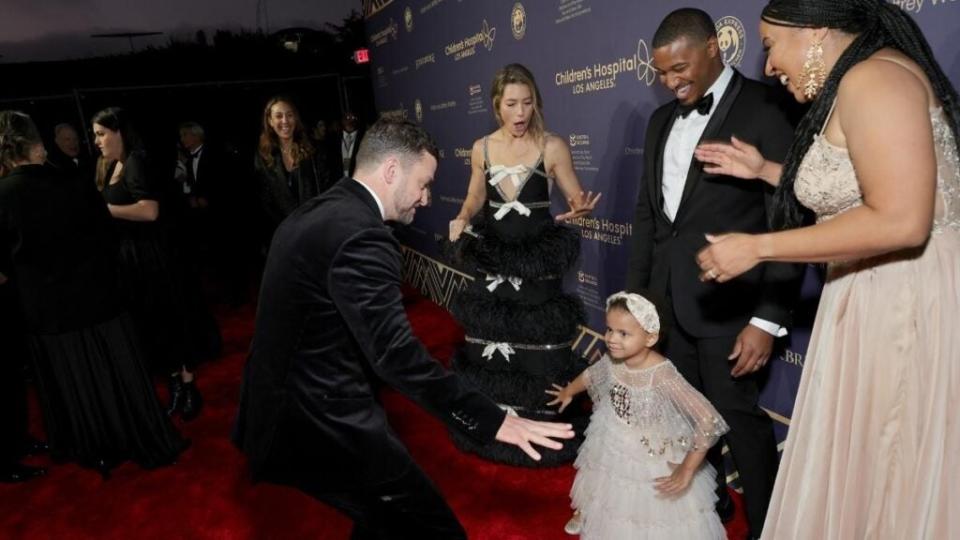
877, 25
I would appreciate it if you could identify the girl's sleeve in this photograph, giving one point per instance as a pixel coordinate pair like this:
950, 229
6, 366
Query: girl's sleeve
701, 419
597, 379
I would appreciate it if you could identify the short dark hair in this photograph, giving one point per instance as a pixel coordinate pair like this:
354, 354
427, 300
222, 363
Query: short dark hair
390, 135
691, 23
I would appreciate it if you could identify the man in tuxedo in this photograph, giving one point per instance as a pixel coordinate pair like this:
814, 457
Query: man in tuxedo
721, 334
66, 153
331, 328
348, 143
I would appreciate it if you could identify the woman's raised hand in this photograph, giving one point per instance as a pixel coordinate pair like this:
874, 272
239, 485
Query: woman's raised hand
580, 205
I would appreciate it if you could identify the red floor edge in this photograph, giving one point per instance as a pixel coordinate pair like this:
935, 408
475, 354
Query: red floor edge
207, 495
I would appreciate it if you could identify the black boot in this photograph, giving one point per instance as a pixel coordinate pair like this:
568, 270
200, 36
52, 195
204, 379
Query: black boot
175, 384
192, 402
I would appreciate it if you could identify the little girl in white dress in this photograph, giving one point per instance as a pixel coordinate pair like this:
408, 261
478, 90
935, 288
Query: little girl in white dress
641, 471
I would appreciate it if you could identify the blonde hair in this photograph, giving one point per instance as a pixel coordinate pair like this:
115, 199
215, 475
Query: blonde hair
519, 74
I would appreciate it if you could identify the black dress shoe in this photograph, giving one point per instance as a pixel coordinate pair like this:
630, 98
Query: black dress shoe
192, 402
175, 386
19, 472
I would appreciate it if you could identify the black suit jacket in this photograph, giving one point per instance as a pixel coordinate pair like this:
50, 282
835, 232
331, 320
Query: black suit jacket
336, 152
82, 167
663, 254
330, 325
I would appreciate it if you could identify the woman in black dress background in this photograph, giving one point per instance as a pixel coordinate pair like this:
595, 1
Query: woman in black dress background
150, 280
288, 170
57, 247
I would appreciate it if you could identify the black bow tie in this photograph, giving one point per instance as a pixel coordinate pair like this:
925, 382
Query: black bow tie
195, 155
702, 106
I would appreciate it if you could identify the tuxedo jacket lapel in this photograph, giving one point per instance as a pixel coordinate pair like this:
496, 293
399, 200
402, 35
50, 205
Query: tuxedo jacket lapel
713, 127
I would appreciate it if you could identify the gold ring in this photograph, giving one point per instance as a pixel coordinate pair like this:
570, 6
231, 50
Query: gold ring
711, 274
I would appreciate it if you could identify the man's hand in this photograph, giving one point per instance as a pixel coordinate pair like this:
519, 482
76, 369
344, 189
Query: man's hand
522, 432
751, 351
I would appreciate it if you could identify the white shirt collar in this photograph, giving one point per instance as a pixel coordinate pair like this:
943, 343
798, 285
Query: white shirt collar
719, 86
383, 214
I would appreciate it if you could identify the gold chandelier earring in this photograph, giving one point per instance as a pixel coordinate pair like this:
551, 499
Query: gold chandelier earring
814, 71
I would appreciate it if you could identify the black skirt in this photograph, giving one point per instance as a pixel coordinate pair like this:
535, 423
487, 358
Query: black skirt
98, 401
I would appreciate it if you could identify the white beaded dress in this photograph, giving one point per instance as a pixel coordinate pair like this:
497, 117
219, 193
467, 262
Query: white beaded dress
642, 421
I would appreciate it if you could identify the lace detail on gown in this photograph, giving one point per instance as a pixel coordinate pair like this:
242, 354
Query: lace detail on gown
669, 414
827, 182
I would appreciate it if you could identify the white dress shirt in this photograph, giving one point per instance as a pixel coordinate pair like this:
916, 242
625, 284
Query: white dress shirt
677, 156
682, 141
375, 198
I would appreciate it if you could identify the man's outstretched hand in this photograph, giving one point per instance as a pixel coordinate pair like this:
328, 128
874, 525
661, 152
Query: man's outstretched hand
525, 433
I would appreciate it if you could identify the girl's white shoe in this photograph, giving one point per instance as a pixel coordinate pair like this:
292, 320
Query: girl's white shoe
574, 525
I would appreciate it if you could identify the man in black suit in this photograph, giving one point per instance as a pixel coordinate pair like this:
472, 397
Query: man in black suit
67, 154
714, 326
331, 328
348, 143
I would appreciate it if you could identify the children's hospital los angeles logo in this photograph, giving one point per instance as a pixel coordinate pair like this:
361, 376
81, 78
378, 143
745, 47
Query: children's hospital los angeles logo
418, 110
518, 21
603, 75
467, 46
732, 40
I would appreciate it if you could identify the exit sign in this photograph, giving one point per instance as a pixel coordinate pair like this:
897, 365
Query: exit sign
361, 56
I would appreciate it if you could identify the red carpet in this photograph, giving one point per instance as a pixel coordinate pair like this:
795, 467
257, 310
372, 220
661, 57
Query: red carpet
208, 496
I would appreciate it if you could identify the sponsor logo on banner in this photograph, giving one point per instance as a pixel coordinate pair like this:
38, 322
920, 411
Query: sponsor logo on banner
571, 9
400, 113
793, 358
424, 60
464, 154
633, 151
476, 104
732, 40
467, 46
371, 7
604, 230
443, 106
400, 69
518, 21
385, 35
583, 277
588, 290
604, 75
430, 5
580, 152
418, 110
914, 6
408, 19
579, 140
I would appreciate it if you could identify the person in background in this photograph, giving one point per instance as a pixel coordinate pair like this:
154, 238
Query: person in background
58, 249
150, 275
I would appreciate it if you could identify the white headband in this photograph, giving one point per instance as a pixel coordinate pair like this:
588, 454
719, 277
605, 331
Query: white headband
642, 310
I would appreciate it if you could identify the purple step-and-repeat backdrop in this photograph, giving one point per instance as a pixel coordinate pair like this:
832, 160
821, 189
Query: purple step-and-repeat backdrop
433, 61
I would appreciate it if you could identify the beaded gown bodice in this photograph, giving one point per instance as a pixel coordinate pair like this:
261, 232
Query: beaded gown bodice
827, 181
667, 413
